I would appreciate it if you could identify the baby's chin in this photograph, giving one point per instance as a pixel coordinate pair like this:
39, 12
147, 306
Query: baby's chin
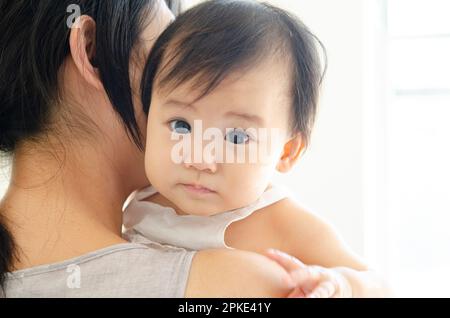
201, 211
197, 208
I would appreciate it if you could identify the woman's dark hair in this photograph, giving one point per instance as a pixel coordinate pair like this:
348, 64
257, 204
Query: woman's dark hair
218, 37
34, 42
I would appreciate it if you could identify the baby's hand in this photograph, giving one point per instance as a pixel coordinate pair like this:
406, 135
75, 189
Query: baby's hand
312, 281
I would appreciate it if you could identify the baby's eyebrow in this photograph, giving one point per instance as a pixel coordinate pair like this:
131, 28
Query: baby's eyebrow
179, 104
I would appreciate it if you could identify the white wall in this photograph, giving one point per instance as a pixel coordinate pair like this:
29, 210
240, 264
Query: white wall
328, 179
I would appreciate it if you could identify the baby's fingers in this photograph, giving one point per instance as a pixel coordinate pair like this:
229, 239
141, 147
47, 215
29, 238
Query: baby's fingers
326, 289
297, 293
288, 262
308, 278
304, 278
307, 274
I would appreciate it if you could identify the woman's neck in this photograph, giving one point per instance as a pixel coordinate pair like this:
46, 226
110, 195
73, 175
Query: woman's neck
61, 205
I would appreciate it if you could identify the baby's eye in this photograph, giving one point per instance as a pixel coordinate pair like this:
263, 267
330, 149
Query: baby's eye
237, 137
180, 126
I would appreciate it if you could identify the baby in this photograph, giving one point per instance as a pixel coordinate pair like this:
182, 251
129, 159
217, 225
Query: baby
231, 90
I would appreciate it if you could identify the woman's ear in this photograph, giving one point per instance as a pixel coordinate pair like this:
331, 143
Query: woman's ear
291, 153
83, 48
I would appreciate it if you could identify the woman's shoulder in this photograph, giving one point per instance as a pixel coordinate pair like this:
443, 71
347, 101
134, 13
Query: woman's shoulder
142, 268
139, 268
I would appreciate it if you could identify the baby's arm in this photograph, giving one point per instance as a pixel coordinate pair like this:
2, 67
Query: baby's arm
292, 229
288, 227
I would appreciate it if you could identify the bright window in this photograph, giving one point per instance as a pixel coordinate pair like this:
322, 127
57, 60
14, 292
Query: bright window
417, 154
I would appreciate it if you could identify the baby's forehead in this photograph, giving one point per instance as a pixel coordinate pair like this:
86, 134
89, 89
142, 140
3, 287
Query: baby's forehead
268, 79
242, 98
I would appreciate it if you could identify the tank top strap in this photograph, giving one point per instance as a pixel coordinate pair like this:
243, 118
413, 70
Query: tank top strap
139, 195
272, 195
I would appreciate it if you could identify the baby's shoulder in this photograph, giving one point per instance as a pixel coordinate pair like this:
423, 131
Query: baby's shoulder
265, 224
278, 225
291, 218
288, 210
270, 217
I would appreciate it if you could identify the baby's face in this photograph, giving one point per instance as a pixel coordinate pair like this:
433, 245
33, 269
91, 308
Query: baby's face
247, 111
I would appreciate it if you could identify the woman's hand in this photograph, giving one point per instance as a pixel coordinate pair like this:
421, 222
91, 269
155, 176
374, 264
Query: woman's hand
312, 281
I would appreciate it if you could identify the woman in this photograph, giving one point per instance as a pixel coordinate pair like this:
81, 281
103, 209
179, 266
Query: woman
71, 119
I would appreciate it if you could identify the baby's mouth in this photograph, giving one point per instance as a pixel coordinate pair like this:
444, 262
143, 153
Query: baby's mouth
196, 188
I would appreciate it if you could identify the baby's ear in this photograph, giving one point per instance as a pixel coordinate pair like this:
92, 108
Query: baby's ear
291, 153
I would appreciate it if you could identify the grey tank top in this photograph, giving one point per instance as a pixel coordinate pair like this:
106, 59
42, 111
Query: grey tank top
141, 268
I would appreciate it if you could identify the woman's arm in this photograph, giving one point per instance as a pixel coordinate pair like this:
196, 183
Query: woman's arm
234, 273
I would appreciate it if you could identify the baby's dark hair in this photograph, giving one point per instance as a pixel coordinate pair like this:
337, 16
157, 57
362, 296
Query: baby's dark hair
218, 37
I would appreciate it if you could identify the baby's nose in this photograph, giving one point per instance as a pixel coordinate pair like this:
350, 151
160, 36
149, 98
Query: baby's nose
202, 166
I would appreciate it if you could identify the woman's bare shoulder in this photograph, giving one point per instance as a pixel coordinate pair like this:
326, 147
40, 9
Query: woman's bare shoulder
235, 273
